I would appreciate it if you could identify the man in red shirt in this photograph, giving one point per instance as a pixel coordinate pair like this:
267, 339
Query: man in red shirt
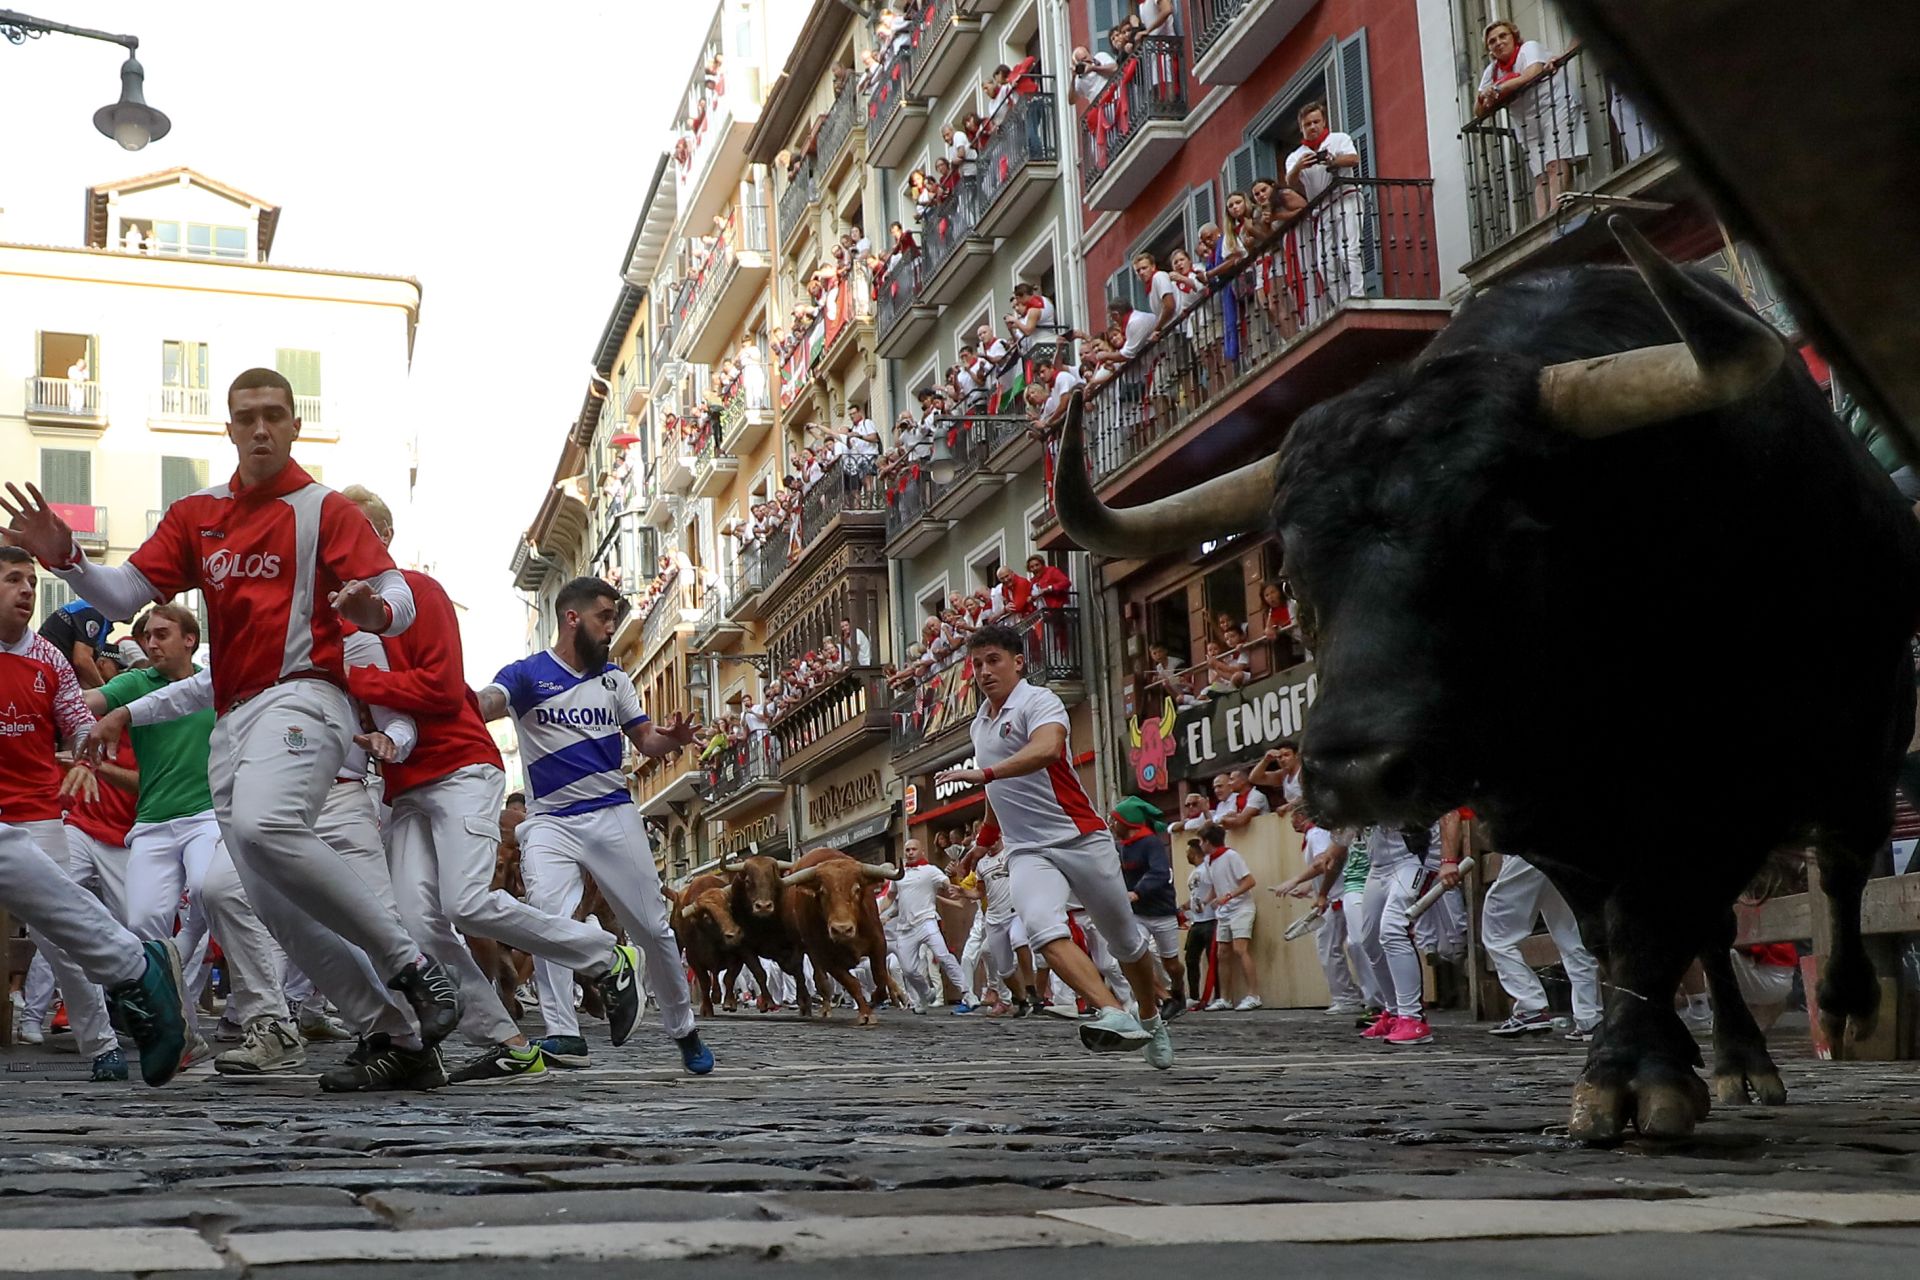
40, 704
282, 562
442, 837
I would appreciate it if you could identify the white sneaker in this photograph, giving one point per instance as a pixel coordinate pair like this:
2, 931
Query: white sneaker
1217, 1004
1345, 1009
1250, 1002
229, 1032
323, 1026
31, 1031
272, 1045
1160, 1048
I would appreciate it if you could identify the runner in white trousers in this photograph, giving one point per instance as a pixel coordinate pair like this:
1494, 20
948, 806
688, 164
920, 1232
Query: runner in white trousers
1520, 894
1058, 848
574, 709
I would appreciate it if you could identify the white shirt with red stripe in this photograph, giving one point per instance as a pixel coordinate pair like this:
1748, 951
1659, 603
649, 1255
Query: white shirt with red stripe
1039, 810
40, 704
267, 558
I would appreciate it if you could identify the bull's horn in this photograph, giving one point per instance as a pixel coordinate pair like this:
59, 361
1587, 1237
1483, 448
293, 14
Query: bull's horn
806, 875
1726, 354
1222, 507
783, 865
886, 872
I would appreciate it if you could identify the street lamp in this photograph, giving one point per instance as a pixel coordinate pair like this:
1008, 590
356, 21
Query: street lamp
130, 121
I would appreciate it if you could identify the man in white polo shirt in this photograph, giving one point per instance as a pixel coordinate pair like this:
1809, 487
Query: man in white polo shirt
916, 898
1322, 157
1058, 848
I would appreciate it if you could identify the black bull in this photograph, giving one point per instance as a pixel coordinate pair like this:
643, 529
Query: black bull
1646, 606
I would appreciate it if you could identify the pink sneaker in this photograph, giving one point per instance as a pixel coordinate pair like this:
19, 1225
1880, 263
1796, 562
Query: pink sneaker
1381, 1026
1410, 1031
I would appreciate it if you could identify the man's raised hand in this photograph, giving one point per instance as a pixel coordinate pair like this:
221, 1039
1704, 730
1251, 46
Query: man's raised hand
103, 739
36, 527
361, 605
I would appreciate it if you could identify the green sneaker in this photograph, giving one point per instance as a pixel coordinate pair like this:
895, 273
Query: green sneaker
1114, 1031
153, 1010
620, 991
1160, 1048
503, 1064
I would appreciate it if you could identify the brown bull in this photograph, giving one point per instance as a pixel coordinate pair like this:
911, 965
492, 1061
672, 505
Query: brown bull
757, 894
510, 969
828, 907
715, 944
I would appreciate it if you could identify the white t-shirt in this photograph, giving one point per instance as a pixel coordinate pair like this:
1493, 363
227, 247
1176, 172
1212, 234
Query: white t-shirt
865, 439
1316, 178
916, 891
1224, 875
859, 648
1199, 894
1290, 788
1147, 15
1386, 847
1255, 801
1140, 327
1087, 85
1159, 288
992, 870
1037, 810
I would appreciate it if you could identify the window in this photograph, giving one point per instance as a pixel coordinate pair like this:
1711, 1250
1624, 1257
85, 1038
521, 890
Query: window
180, 477
1102, 17
1337, 77
66, 476
183, 364
301, 368
55, 595
1171, 233
59, 351
200, 240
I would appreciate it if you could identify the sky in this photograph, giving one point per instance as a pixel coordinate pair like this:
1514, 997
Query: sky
498, 154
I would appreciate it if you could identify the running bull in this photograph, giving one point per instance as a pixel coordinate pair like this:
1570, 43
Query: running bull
828, 905
1643, 604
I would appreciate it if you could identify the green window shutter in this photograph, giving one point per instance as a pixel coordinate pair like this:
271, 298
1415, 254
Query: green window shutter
180, 477
66, 476
301, 368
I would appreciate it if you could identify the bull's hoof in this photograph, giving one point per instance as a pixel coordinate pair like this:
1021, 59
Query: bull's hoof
1599, 1114
868, 1020
1738, 1088
1670, 1108
1844, 1034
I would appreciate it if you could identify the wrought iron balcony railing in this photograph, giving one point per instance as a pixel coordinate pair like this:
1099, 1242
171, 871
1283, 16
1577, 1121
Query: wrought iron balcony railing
1152, 85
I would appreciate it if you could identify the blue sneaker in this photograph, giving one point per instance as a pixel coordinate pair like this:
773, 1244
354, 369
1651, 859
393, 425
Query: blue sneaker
109, 1066
697, 1057
153, 1010
565, 1051
961, 1006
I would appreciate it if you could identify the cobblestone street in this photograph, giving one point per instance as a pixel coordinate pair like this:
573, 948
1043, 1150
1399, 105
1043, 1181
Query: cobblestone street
980, 1141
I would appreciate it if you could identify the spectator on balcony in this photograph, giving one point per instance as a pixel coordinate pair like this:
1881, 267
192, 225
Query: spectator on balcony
1165, 674
1335, 230
922, 191
1549, 120
976, 129
870, 71
998, 88
1234, 642
863, 437
77, 385
753, 376
1093, 75
945, 180
991, 346
1159, 18
1124, 37
1012, 594
1225, 671
1050, 581
960, 155
856, 643
1031, 310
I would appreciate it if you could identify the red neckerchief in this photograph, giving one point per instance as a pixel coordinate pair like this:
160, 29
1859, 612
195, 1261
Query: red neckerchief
1216, 854
1240, 800
1503, 71
1314, 142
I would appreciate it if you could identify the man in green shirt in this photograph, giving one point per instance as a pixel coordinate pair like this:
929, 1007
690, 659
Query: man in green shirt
175, 842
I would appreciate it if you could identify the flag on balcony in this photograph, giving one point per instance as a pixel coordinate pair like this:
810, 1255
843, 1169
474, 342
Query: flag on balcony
1006, 397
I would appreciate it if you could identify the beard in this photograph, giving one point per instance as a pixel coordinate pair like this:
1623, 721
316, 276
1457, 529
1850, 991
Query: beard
593, 653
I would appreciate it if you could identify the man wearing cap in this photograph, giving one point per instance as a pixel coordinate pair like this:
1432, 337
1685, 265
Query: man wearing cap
1147, 866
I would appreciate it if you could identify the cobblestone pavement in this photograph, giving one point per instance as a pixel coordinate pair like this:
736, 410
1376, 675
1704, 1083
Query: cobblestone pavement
986, 1147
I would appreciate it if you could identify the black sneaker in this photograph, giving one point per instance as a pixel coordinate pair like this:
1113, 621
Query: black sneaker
1020, 1009
502, 1064
430, 988
620, 991
1523, 1024
1173, 1006
1369, 1016
565, 1051
385, 1065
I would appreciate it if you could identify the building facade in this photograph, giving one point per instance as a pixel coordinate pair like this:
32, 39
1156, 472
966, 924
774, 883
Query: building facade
115, 354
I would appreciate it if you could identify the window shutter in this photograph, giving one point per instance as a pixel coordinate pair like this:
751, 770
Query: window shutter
301, 368
66, 476
55, 595
1102, 17
1199, 211
180, 477
1237, 174
1356, 120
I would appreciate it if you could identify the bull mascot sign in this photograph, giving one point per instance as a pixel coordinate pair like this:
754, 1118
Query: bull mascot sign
1153, 745
1540, 571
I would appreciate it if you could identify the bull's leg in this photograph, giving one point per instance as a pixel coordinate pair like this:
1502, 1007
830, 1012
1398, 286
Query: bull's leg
706, 990
730, 984
844, 976
1848, 991
1741, 1063
1640, 1067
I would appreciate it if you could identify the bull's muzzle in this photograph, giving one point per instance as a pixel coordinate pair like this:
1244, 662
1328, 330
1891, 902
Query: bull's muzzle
1370, 784
763, 907
841, 930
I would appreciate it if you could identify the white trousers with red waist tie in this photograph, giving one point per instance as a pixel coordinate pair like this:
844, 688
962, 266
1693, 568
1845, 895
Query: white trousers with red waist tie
273, 762
85, 947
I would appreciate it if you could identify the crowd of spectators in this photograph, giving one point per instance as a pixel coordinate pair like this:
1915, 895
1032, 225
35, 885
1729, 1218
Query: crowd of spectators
1228, 652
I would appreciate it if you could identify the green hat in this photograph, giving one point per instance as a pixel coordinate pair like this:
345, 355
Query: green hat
1140, 813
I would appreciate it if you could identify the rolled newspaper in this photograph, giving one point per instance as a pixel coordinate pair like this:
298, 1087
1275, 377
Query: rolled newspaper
1431, 896
1305, 924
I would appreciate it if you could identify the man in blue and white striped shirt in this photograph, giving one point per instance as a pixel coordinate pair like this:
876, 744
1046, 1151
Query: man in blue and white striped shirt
574, 708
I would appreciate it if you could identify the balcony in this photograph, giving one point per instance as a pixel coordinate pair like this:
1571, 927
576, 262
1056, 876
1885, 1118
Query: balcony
153, 519
971, 7
89, 523
678, 457
843, 494
1135, 126
58, 403
723, 105
894, 115
822, 347
1231, 38
725, 285
909, 530
672, 611
713, 467
943, 41
1351, 284
313, 422
1052, 638
743, 773
832, 723
797, 198
747, 412
751, 573
902, 319
1021, 160
1545, 162
954, 251
837, 142
972, 441
930, 720
186, 409
716, 632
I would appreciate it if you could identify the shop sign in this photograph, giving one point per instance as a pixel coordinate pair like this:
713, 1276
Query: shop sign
945, 791
912, 802
766, 830
1233, 727
831, 802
